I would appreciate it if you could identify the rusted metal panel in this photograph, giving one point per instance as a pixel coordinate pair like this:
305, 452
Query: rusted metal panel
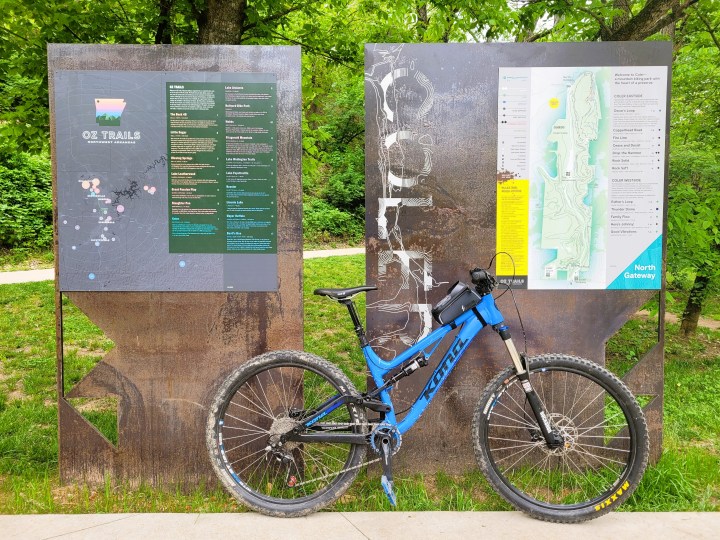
431, 155
172, 348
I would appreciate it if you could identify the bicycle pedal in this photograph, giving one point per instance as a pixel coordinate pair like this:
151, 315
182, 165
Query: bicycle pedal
388, 486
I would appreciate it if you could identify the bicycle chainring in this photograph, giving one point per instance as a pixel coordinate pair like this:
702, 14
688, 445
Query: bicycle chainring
385, 429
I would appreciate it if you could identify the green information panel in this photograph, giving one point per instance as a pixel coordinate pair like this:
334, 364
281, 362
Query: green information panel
222, 182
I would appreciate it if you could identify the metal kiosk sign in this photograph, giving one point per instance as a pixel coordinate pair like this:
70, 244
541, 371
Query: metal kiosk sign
178, 201
553, 156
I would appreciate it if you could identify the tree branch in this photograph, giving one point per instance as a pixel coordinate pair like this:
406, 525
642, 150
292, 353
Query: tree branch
127, 19
163, 32
306, 47
13, 34
539, 35
274, 17
66, 27
656, 14
604, 28
116, 16
710, 29
450, 21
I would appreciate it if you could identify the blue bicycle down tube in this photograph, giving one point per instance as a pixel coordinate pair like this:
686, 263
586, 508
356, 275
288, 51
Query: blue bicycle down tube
468, 331
469, 324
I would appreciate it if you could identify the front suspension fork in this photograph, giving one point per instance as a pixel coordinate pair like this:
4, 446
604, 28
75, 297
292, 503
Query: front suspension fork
552, 437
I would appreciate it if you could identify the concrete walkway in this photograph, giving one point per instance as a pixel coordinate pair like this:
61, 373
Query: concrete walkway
358, 525
26, 276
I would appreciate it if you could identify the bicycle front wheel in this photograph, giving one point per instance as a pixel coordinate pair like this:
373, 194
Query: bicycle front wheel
605, 441
269, 397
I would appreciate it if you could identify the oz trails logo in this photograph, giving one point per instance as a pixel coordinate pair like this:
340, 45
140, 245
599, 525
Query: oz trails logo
108, 111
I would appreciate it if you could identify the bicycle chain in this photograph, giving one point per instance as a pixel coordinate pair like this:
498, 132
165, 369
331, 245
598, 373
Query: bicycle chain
335, 474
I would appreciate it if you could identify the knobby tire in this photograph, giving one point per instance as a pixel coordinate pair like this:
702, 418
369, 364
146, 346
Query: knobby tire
606, 440
265, 398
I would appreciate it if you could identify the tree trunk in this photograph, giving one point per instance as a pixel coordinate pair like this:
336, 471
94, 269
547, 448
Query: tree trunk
422, 21
691, 315
222, 22
623, 15
163, 35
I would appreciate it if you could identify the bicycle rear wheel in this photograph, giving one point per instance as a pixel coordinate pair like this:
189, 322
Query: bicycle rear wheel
605, 449
270, 396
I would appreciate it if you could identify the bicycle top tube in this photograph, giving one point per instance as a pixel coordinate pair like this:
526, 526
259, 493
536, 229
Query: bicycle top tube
469, 323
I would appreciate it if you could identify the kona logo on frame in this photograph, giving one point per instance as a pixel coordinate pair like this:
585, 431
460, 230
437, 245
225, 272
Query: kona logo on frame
445, 366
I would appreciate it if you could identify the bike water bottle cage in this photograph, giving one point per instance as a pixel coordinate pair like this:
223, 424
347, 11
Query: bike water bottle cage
344, 294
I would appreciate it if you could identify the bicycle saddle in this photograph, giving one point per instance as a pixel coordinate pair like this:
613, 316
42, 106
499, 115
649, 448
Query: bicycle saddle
342, 294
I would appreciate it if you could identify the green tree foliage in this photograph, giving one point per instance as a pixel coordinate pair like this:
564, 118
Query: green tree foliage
332, 34
696, 72
593, 20
26, 29
694, 205
694, 224
25, 201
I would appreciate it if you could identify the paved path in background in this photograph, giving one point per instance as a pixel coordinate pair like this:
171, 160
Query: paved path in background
672, 318
26, 276
359, 525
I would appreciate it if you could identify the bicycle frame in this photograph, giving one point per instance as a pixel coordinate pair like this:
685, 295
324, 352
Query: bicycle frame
470, 325
559, 455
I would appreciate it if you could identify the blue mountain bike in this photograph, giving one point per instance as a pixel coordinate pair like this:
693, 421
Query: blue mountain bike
558, 437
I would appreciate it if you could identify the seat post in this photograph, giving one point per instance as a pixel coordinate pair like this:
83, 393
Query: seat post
359, 330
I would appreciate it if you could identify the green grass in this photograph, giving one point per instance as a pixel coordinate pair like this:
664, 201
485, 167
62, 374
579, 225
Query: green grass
34, 259
25, 259
626, 347
676, 298
328, 329
686, 478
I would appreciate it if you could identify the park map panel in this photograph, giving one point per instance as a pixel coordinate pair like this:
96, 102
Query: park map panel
581, 160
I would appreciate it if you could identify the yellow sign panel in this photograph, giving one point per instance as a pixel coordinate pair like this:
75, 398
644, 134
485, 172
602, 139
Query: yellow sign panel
513, 199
